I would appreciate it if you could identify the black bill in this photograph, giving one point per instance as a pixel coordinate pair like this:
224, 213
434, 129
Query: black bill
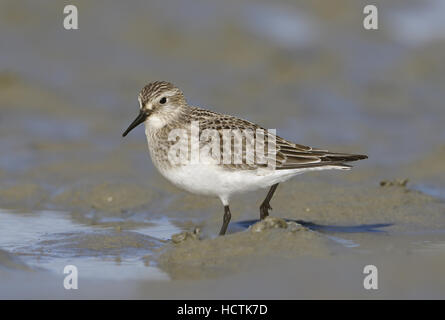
139, 119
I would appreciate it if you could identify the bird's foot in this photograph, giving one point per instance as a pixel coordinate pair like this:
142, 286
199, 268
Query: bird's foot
264, 210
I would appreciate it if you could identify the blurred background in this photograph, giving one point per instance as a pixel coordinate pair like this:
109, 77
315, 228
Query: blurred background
307, 68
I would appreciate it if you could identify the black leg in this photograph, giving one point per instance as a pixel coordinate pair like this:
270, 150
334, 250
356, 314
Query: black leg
265, 206
226, 220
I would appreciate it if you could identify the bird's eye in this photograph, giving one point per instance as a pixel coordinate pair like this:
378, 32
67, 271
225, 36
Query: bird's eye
163, 100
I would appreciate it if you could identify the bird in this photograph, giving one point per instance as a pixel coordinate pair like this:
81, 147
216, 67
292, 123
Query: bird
168, 118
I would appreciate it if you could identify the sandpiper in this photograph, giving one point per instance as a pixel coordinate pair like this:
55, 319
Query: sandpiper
164, 109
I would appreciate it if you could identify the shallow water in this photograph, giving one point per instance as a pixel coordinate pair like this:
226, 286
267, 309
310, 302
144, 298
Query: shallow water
434, 191
50, 240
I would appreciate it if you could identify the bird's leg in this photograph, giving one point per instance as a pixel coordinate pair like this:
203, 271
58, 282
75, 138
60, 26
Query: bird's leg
226, 220
265, 206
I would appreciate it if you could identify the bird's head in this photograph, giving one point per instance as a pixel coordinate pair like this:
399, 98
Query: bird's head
159, 98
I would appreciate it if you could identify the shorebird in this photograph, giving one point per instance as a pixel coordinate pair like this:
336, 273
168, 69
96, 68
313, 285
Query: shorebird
163, 109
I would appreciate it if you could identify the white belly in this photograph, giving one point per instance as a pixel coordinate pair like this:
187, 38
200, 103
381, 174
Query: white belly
212, 180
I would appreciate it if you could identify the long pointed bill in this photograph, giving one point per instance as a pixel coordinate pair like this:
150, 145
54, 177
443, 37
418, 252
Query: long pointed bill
140, 118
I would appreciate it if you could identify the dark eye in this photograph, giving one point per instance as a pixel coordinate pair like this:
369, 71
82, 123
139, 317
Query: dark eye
163, 100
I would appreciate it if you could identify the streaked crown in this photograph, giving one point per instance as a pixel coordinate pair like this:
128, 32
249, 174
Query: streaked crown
157, 90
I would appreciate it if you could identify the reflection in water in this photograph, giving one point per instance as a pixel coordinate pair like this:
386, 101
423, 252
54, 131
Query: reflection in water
328, 228
51, 240
98, 268
436, 192
163, 229
373, 228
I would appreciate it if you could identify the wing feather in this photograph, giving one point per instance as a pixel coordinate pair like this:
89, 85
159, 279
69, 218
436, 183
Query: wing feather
288, 155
